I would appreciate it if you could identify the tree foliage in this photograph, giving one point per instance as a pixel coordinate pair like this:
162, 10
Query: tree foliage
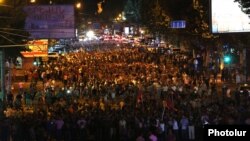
111, 9
245, 5
154, 15
132, 10
158, 14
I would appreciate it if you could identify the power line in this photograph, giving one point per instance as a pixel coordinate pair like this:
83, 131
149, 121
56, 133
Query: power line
7, 39
13, 29
5, 5
9, 46
14, 34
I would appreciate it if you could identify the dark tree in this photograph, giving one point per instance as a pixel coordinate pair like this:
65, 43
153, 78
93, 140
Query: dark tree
157, 15
111, 9
245, 6
132, 10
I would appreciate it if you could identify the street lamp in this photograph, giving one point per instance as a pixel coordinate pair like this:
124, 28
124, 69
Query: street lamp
90, 34
78, 5
3, 4
227, 59
32, 1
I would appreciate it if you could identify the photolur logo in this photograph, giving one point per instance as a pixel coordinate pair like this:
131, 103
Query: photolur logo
227, 133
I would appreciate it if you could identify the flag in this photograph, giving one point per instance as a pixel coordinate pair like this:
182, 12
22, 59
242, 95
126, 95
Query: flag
139, 96
169, 105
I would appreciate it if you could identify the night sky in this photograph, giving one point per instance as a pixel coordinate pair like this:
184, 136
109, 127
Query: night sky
90, 6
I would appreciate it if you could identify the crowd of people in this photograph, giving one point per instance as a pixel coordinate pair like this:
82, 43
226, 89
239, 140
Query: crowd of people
119, 93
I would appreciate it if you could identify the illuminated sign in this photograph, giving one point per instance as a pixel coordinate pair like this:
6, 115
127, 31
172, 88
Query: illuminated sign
178, 24
34, 54
38, 45
50, 21
227, 16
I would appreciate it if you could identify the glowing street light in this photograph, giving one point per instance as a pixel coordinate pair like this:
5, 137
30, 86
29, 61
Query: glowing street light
227, 59
142, 31
32, 1
99, 6
124, 18
3, 4
78, 5
90, 34
120, 17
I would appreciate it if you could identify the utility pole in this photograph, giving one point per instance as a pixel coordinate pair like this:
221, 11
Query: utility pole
245, 63
2, 75
9, 76
2, 62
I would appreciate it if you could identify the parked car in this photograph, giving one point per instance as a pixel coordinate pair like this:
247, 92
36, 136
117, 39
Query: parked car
245, 89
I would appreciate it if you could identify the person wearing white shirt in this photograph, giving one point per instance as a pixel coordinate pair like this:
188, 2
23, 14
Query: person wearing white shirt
175, 127
184, 128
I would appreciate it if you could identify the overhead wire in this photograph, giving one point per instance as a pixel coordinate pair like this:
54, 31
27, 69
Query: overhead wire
13, 29
21, 45
7, 39
13, 34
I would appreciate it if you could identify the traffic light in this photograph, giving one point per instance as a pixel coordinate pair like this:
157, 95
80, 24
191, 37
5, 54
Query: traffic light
227, 59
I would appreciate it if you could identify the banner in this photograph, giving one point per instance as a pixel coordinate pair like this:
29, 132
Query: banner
50, 21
